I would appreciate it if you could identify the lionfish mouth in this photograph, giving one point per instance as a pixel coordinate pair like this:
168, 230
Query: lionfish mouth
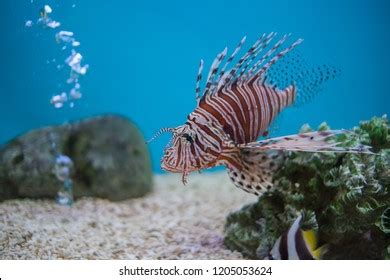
175, 169
169, 169
165, 165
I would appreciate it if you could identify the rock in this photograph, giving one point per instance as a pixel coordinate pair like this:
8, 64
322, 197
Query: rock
344, 197
109, 154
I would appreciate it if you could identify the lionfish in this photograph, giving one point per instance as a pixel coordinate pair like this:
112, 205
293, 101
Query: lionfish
236, 107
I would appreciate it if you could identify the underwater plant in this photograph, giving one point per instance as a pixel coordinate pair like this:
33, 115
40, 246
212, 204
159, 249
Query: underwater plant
345, 197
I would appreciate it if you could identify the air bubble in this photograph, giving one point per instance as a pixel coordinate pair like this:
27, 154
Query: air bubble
63, 169
47, 9
58, 100
28, 23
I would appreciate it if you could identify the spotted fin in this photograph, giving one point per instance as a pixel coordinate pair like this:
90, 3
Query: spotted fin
309, 79
318, 141
252, 170
251, 166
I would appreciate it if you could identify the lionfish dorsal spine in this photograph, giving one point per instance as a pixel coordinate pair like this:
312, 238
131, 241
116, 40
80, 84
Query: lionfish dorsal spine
244, 74
247, 68
259, 48
264, 69
213, 71
198, 79
244, 58
222, 75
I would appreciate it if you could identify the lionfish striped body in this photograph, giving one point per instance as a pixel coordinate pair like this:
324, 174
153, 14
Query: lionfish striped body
236, 107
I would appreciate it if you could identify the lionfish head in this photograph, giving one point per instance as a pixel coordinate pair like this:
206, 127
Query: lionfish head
181, 154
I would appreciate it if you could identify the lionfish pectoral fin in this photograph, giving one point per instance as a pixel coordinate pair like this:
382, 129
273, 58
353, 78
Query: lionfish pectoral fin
318, 141
252, 170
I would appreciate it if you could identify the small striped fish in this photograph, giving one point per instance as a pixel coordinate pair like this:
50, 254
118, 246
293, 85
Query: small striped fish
236, 106
296, 244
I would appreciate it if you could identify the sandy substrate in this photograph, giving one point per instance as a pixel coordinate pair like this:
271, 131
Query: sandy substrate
173, 222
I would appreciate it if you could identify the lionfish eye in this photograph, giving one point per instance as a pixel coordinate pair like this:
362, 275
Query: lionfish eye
188, 138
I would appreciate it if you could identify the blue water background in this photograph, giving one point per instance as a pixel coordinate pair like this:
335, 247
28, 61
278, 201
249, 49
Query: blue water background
144, 56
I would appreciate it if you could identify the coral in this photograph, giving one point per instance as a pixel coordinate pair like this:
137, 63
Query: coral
344, 196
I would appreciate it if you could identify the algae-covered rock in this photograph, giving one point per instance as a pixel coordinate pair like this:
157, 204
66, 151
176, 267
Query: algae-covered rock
110, 160
345, 196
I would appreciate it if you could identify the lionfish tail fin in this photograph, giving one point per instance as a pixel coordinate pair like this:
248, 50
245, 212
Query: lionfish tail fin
318, 141
251, 170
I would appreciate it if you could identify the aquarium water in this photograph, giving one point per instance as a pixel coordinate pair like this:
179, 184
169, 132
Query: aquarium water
66, 60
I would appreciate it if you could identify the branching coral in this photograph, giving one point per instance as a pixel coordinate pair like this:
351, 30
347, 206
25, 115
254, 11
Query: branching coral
346, 197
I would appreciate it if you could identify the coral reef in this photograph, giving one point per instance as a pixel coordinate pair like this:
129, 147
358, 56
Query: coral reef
109, 155
345, 197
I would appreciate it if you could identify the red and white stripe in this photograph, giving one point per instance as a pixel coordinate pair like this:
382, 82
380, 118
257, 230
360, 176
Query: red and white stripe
237, 104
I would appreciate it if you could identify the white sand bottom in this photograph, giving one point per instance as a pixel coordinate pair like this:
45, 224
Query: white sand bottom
173, 222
